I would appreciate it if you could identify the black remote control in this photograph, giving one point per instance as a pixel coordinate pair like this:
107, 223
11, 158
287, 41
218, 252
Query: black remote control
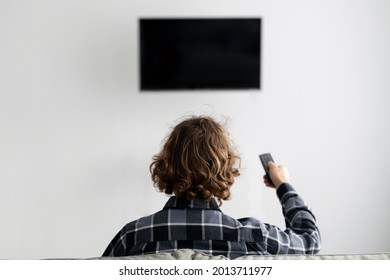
265, 159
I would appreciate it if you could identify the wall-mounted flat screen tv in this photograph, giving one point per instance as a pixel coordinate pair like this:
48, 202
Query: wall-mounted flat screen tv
200, 53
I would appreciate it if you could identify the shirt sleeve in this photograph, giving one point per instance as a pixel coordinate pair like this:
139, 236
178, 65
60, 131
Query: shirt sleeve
117, 246
301, 235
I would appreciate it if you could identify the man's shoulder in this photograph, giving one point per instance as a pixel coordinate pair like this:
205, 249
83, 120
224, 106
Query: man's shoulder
244, 222
140, 222
250, 222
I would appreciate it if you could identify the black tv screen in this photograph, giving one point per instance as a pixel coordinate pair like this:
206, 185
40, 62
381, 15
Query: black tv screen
201, 53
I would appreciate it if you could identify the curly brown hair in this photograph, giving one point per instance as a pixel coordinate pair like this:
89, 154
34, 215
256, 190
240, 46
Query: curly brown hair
197, 160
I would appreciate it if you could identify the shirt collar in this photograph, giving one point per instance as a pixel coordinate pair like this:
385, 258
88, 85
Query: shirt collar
196, 203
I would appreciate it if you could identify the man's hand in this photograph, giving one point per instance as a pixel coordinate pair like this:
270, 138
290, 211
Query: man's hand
279, 175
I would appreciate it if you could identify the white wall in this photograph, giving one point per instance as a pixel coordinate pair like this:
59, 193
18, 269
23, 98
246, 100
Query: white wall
77, 136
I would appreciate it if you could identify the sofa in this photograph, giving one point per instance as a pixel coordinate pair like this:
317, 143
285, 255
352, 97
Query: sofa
188, 254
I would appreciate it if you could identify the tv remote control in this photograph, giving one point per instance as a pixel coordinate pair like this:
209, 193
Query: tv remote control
265, 159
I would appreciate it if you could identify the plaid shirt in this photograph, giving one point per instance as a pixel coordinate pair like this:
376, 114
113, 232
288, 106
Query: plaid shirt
201, 226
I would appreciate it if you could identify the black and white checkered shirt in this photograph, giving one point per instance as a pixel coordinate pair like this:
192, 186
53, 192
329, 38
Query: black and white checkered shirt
201, 226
